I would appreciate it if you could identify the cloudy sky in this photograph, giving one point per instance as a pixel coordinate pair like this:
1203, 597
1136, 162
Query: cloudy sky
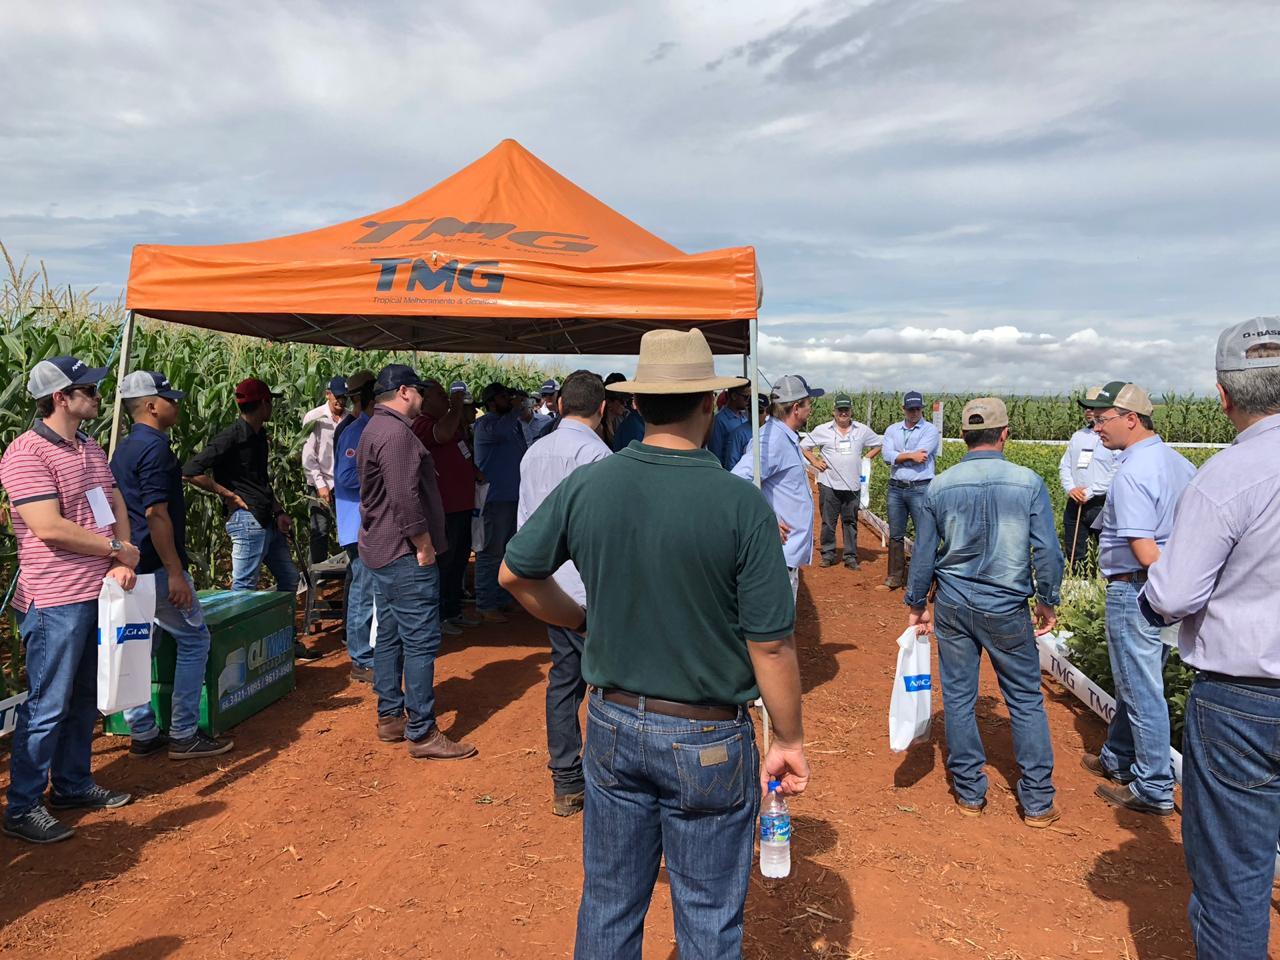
944, 194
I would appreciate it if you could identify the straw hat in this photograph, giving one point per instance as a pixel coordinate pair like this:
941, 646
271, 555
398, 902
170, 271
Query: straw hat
675, 361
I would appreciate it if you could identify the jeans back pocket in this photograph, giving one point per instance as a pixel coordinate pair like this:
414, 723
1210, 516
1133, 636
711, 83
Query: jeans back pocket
1240, 749
711, 774
602, 742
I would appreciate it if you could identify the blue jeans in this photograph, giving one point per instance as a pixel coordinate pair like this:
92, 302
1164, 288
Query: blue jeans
54, 731
359, 610
191, 637
1009, 640
252, 546
565, 691
1230, 815
648, 794
408, 598
499, 528
904, 501
1137, 747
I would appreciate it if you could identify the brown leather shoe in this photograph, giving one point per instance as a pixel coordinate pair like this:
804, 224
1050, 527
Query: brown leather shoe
567, 804
1093, 763
391, 729
1042, 820
436, 746
361, 674
971, 809
1119, 795
492, 616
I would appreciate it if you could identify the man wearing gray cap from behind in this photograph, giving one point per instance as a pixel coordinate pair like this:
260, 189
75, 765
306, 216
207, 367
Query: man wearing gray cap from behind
1136, 523
986, 527
1219, 574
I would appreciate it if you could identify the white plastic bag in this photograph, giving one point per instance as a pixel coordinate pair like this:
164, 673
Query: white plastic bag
911, 706
864, 496
124, 643
373, 629
477, 517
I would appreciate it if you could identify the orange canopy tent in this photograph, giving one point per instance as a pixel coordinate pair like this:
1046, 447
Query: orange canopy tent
505, 256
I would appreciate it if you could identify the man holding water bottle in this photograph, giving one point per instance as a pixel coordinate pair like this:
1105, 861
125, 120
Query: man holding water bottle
841, 443
701, 627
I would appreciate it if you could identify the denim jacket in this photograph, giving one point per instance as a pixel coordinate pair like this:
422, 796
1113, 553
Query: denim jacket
987, 525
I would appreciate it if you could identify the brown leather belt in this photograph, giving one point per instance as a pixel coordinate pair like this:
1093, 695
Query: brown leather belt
671, 708
1137, 576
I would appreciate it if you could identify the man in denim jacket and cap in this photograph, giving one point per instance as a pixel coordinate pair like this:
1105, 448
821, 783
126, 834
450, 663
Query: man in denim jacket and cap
987, 527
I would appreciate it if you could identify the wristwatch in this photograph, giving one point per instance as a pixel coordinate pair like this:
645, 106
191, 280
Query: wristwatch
116, 547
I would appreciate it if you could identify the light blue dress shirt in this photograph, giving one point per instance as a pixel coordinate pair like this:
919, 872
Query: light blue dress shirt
346, 482
784, 480
1147, 484
899, 439
571, 445
1086, 447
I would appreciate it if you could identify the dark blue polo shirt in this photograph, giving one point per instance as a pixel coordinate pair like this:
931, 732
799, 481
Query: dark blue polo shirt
148, 473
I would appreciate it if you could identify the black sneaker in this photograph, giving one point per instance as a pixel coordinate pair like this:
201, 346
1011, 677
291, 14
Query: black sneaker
198, 745
97, 798
144, 748
305, 653
38, 825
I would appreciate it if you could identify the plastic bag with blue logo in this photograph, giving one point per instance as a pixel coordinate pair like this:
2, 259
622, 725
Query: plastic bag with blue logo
124, 643
911, 706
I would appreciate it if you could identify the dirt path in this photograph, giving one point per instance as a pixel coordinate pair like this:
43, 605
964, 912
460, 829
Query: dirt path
313, 839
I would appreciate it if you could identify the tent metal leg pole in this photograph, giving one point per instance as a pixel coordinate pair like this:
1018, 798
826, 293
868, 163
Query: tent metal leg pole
753, 371
126, 346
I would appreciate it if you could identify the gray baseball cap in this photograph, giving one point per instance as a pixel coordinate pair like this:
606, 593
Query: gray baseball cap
1235, 344
147, 383
57, 373
793, 387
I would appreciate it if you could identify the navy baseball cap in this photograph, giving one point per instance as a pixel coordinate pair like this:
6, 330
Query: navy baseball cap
550, 386
57, 373
394, 376
148, 383
338, 386
912, 400
457, 387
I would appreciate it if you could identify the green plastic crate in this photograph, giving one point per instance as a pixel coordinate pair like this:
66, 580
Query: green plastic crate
250, 660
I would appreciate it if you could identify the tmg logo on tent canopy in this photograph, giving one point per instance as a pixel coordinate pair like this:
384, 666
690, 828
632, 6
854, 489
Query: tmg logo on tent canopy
422, 275
382, 232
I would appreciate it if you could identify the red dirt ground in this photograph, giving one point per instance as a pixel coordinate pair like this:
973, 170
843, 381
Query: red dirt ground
314, 839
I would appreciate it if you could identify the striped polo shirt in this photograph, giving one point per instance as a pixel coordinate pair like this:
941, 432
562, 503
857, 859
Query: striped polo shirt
41, 465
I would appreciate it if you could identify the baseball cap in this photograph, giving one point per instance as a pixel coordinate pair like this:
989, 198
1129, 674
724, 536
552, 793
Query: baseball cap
394, 376
251, 390
793, 387
762, 401
457, 387
1090, 394
148, 383
338, 386
494, 389
1123, 396
359, 380
57, 373
1235, 343
549, 387
842, 401
984, 413
912, 399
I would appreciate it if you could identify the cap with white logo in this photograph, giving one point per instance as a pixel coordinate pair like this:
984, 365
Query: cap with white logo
147, 383
57, 373
1238, 346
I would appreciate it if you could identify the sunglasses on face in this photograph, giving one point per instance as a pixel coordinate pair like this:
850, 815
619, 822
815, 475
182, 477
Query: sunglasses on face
88, 389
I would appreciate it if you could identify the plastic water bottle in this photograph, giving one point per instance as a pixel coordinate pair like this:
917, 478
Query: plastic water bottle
775, 835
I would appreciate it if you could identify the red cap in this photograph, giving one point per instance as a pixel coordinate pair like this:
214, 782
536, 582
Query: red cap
252, 390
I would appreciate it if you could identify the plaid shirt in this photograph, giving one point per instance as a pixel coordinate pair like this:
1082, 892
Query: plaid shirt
399, 496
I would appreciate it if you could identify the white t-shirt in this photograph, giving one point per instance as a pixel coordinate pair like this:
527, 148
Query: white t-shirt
842, 452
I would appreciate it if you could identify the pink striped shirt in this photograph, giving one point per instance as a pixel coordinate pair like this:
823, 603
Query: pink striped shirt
41, 465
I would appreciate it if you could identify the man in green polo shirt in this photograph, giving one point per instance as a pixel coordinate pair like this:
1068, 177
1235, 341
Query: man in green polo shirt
688, 624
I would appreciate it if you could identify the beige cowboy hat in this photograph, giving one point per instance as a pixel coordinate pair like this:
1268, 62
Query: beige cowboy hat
675, 361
